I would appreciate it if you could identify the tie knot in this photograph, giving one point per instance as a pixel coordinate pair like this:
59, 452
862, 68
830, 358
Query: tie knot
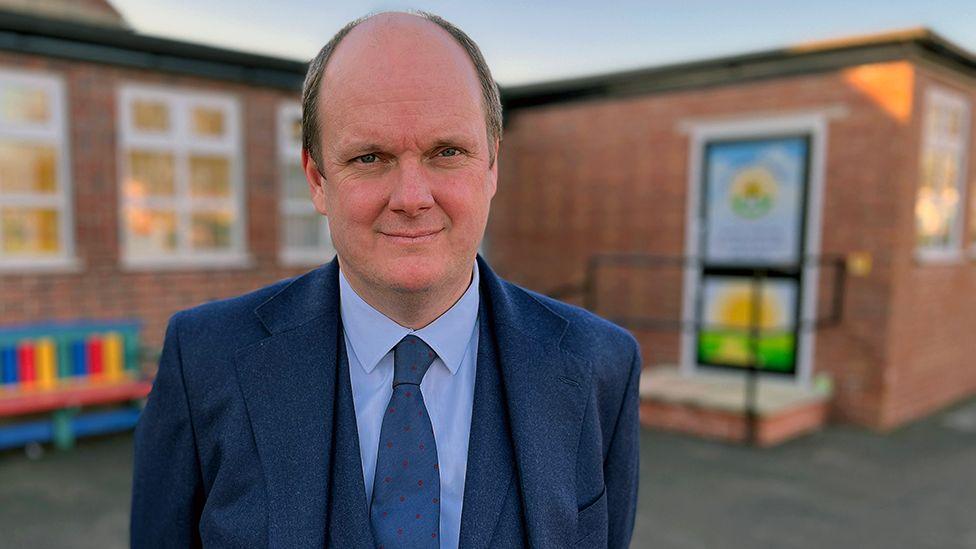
411, 358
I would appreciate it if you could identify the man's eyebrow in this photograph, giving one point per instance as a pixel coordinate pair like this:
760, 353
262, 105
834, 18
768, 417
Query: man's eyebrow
357, 148
454, 140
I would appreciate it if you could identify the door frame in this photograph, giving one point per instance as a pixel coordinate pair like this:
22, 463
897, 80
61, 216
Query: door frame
701, 132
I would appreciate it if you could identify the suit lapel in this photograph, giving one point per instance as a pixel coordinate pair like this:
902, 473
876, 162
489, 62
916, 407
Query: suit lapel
489, 474
289, 384
294, 396
349, 524
545, 390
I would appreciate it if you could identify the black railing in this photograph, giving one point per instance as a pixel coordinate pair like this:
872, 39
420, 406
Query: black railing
589, 292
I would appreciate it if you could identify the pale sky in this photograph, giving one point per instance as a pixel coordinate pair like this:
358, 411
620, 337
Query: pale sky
527, 42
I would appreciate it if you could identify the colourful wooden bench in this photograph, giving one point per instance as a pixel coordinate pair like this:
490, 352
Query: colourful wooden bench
50, 372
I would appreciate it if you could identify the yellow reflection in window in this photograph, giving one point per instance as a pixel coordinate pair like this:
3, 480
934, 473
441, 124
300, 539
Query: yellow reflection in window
211, 230
150, 174
24, 104
208, 122
27, 168
151, 116
210, 176
30, 231
150, 232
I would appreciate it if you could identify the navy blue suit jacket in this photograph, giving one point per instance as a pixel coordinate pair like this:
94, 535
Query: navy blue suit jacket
248, 438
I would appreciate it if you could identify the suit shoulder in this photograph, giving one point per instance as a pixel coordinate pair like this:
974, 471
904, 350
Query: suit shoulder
232, 309
224, 325
587, 334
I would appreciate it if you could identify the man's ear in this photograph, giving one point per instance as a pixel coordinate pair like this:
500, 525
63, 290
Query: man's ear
316, 183
493, 170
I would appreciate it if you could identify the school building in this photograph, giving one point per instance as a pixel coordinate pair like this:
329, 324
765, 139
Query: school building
140, 176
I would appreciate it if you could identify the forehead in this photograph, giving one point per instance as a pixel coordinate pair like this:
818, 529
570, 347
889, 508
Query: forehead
397, 67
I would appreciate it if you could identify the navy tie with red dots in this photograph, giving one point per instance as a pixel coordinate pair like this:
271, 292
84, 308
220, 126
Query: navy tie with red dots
405, 509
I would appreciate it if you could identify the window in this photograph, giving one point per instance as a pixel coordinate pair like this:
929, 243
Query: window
305, 232
182, 189
938, 204
35, 199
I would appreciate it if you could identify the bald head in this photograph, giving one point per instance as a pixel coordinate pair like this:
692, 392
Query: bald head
389, 48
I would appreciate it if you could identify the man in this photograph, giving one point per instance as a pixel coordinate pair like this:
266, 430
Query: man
402, 395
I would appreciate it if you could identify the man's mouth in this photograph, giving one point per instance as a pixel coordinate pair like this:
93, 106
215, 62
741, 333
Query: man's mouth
412, 237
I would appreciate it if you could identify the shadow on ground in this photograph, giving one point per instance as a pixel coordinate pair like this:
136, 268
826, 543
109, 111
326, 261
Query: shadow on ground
914, 488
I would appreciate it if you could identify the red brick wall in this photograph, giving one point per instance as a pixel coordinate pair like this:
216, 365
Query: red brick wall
611, 175
101, 288
933, 304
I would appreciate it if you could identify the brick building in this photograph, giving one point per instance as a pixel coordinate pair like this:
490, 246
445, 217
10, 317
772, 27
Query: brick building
132, 170
880, 128
140, 176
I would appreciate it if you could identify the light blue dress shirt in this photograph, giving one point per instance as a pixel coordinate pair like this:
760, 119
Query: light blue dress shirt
448, 387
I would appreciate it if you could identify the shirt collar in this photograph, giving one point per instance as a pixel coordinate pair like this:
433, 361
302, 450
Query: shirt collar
372, 334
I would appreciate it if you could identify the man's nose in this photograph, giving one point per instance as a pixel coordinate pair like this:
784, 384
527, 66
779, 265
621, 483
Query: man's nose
411, 191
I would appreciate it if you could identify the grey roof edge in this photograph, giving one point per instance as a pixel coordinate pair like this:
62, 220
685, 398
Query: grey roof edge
73, 40
794, 60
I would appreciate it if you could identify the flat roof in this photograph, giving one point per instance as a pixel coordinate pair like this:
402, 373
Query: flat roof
915, 44
73, 40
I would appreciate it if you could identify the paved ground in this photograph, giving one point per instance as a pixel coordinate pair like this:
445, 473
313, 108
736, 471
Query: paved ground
913, 489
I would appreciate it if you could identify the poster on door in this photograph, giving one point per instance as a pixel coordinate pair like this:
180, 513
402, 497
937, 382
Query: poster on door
753, 203
732, 306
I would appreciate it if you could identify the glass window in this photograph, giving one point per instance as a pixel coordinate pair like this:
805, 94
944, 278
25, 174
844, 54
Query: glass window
150, 116
182, 188
208, 122
305, 238
34, 195
942, 161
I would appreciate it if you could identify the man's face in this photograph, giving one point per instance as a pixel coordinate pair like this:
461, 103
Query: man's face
405, 155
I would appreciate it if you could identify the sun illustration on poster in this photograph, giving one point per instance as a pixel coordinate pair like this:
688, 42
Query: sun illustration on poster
729, 315
753, 192
734, 309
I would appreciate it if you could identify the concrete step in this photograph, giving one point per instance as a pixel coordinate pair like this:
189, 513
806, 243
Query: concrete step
713, 405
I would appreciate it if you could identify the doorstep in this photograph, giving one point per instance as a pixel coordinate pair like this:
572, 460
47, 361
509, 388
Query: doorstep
712, 405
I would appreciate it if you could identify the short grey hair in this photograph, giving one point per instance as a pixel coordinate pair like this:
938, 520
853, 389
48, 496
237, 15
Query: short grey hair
491, 98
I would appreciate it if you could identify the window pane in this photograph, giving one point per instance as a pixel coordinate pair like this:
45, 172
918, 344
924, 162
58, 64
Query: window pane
151, 232
27, 168
210, 176
303, 230
295, 184
937, 204
30, 231
22, 104
208, 122
211, 230
150, 174
296, 130
151, 116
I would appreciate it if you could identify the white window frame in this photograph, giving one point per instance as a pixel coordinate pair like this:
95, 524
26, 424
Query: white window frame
936, 95
54, 132
181, 143
700, 132
289, 151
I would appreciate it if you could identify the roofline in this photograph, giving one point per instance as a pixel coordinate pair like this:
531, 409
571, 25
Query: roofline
804, 58
30, 34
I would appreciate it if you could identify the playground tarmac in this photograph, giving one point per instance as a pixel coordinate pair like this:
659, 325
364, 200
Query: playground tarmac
914, 488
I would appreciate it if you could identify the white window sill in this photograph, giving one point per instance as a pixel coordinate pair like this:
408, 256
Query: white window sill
201, 263
51, 265
939, 257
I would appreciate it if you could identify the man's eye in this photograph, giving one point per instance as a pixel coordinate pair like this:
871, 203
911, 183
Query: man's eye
366, 158
449, 151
